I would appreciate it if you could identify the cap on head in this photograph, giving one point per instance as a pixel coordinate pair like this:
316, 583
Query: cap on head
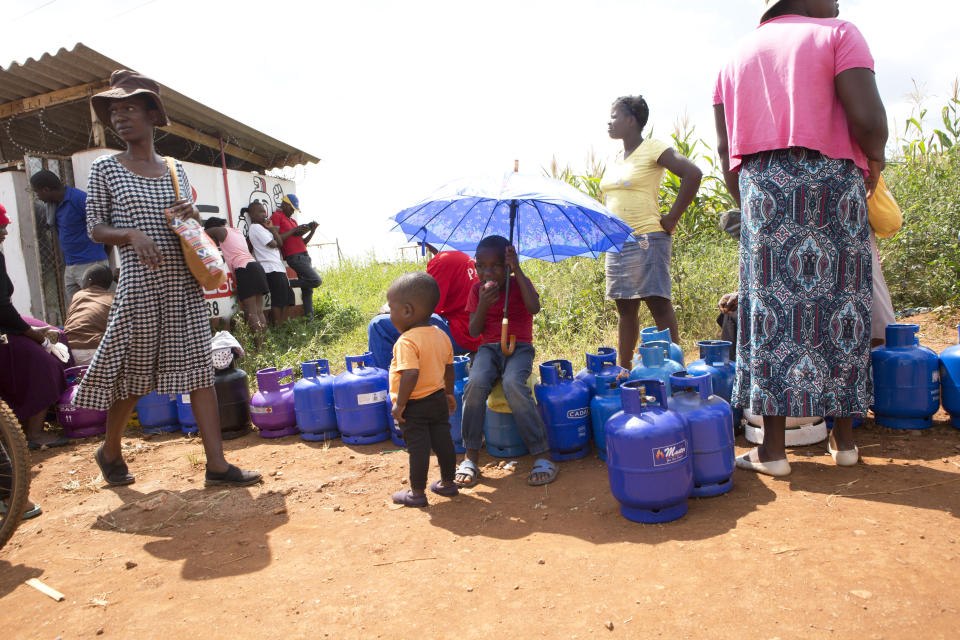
125, 84
4, 220
292, 200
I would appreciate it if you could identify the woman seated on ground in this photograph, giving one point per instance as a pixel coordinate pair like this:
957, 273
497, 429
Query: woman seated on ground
31, 379
89, 313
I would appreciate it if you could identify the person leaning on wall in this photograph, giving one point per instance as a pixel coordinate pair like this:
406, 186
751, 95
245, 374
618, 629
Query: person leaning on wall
68, 215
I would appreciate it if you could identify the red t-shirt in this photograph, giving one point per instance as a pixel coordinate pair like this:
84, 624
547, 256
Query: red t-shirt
455, 273
292, 245
521, 320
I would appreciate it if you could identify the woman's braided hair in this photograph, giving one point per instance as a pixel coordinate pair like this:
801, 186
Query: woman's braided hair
635, 106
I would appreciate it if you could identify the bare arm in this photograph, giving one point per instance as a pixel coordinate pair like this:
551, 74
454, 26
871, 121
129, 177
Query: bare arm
306, 238
448, 389
408, 380
141, 243
858, 93
730, 178
531, 299
690, 177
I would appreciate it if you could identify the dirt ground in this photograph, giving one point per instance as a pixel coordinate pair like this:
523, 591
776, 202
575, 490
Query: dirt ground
319, 550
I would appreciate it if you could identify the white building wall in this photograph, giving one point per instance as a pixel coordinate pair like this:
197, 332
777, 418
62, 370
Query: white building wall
14, 198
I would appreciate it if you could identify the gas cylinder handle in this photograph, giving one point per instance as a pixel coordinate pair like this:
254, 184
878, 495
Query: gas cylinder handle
702, 384
323, 367
74, 374
352, 360
308, 368
285, 373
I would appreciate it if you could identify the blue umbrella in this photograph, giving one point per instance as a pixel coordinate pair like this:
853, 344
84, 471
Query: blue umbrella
553, 221
543, 218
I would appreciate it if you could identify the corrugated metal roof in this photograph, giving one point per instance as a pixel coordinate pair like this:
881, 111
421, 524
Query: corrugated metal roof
66, 128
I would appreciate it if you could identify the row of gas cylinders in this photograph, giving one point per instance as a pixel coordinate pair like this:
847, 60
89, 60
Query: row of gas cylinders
910, 380
161, 413
353, 405
664, 432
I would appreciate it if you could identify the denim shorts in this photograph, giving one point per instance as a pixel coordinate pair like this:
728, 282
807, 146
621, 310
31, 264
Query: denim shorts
641, 269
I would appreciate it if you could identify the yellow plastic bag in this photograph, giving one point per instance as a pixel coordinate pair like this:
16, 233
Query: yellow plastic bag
496, 401
884, 212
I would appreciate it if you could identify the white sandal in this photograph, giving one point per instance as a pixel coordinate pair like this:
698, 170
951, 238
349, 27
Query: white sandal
776, 468
845, 458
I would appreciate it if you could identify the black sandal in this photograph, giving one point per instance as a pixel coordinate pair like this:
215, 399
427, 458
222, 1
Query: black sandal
115, 473
232, 477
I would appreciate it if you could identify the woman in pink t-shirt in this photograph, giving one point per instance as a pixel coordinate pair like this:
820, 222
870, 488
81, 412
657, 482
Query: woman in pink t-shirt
249, 275
801, 135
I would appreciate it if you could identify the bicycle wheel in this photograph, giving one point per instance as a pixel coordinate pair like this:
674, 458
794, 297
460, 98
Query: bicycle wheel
14, 473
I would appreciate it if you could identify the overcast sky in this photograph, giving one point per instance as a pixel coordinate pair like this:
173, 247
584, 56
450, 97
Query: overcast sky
398, 98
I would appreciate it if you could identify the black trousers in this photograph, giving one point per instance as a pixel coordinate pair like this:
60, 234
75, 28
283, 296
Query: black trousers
426, 426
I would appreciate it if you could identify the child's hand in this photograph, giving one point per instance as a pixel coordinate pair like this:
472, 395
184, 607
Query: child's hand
511, 257
397, 412
489, 293
728, 304
451, 403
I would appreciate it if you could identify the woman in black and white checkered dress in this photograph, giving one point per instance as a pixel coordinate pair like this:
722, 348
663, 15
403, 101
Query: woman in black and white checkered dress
158, 336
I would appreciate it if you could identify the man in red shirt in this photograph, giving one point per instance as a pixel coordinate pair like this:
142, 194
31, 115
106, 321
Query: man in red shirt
455, 273
294, 249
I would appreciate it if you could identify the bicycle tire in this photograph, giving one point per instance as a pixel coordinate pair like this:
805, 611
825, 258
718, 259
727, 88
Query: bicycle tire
13, 446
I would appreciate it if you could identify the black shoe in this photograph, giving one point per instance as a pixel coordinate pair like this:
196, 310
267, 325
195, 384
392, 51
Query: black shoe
232, 477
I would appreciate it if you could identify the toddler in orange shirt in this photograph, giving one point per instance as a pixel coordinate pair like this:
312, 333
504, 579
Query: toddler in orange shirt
421, 386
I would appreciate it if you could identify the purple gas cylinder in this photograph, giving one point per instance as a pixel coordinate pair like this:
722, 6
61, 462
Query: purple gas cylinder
78, 422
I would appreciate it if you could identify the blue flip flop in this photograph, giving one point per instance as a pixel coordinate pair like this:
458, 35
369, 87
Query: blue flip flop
542, 465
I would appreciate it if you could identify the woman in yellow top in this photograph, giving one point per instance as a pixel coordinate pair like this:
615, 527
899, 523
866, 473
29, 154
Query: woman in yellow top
641, 271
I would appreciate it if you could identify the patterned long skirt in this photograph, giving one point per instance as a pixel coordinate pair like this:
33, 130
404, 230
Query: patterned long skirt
805, 287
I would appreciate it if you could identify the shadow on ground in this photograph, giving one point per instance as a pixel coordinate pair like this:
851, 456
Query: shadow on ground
217, 533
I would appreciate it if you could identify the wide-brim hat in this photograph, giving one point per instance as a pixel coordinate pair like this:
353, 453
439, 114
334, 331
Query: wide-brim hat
124, 84
767, 5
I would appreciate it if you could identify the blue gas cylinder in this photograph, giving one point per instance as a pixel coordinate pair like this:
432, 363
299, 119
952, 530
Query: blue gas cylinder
396, 433
653, 365
362, 402
502, 436
715, 361
564, 406
461, 375
603, 362
188, 424
603, 405
649, 463
652, 334
313, 402
906, 380
157, 413
856, 422
950, 382
707, 417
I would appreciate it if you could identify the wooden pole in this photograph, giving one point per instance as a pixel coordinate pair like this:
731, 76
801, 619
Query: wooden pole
99, 134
